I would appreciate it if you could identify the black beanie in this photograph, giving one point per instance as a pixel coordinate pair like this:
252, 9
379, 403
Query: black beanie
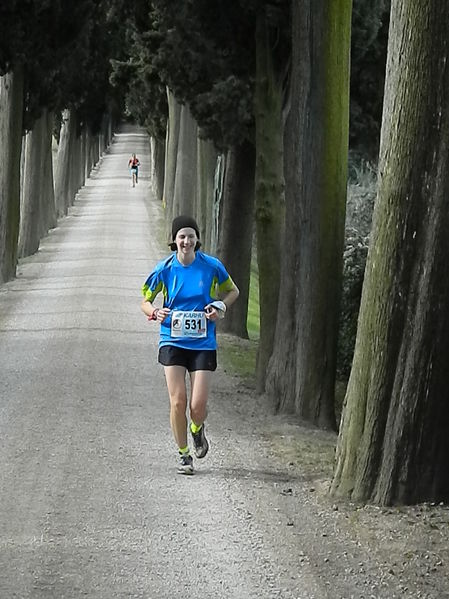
181, 222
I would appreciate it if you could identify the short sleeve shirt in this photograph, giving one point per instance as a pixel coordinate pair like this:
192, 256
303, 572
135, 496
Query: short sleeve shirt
188, 289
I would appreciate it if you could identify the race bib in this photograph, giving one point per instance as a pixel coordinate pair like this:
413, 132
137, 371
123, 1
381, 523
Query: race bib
188, 324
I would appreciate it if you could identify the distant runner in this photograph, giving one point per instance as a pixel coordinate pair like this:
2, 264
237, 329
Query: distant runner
133, 165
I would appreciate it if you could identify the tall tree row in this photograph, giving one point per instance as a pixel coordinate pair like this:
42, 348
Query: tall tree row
301, 376
11, 104
25, 52
199, 53
228, 65
51, 58
393, 445
37, 206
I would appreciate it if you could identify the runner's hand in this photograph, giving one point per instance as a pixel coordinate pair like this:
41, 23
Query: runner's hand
215, 311
159, 314
162, 314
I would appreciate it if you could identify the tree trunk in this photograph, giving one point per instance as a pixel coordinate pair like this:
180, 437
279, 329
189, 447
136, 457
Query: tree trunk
11, 106
394, 445
32, 200
157, 167
301, 374
270, 203
77, 164
105, 138
219, 175
171, 149
207, 161
95, 151
65, 160
90, 154
236, 231
184, 192
84, 169
48, 196
77, 174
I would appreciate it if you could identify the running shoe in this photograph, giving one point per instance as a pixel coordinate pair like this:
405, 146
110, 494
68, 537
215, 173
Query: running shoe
185, 464
200, 443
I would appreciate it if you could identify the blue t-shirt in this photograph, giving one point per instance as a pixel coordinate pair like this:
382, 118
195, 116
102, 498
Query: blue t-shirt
187, 290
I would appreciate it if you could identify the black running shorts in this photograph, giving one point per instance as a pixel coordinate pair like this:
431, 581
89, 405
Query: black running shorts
191, 359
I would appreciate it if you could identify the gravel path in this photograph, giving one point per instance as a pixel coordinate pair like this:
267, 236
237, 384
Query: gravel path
91, 505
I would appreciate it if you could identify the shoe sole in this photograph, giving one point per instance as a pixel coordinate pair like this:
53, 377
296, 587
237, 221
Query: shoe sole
188, 471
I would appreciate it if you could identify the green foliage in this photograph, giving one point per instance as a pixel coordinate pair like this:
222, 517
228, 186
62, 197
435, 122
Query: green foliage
64, 48
94, 93
21, 34
354, 260
361, 195
145, 96
370, 22
146, 101
219, 109
205, 53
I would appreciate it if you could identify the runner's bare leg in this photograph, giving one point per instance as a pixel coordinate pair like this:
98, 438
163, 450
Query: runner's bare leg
200, 383
176, 385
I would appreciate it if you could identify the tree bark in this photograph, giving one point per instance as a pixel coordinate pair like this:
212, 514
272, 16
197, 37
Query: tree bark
207, 160
95, 151
185, 188
393, 445
84, 169
236, 231
219, 175
11, 106
270, 201
65, 161
301, 372
32, 215
77, 172
48, 195
105, 138
171, 149
157, 167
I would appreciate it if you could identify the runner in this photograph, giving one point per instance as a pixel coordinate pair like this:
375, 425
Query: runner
191, 283
133, 165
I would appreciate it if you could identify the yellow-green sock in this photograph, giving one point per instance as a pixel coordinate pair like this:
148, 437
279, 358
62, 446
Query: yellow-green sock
195, 427
184, 450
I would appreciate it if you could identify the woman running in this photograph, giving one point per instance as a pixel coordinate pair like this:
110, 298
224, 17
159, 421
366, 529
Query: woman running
197, 291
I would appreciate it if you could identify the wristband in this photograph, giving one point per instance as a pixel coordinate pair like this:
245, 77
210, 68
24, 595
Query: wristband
219, 305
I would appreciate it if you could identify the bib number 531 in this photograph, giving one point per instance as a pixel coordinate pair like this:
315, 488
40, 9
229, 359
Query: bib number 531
188, 324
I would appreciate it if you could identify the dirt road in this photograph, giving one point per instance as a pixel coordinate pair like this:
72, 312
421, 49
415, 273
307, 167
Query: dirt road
91, 505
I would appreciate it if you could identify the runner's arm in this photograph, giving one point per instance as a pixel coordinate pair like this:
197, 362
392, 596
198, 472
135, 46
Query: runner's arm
212, 313
231, 296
